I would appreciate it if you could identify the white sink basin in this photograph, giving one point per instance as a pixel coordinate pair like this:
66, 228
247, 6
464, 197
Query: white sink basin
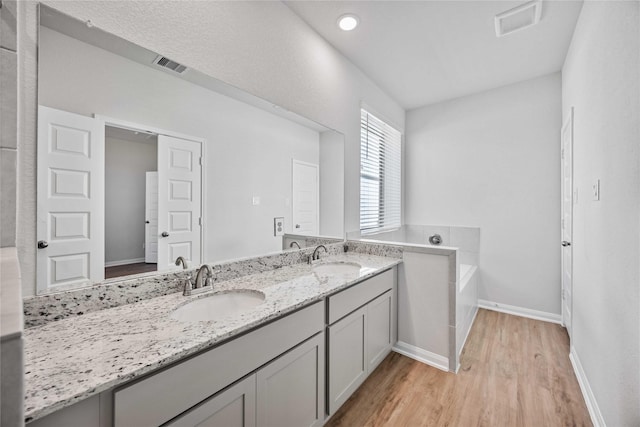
216, 306
338, 268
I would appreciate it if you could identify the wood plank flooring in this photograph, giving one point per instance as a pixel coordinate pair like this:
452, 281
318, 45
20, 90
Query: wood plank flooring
514, 372
128, 269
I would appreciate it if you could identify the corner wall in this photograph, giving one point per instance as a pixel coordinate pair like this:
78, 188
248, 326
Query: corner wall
600, 79
492, 160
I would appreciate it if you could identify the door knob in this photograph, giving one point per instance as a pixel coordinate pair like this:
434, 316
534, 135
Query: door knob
42, 244
165, 234
146, 222
297, 225
565, 243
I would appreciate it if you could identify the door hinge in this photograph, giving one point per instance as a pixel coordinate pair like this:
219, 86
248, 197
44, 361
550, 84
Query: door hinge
563, 294
200, 221
200, 161
562, 153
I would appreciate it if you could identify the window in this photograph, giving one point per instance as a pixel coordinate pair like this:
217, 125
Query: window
380, 180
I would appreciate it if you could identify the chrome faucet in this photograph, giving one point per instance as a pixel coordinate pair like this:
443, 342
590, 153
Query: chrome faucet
208, 281
193, 288
316, 253
294, 243
181, 260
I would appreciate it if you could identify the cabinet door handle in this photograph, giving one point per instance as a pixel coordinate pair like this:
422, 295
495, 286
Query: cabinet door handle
165, 234
565, 243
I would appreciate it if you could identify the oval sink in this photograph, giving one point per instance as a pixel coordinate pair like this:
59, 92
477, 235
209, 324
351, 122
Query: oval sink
339, 268
216, 306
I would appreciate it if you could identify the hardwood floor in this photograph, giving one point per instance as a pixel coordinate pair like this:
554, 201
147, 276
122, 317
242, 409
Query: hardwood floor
128, 269
514, 372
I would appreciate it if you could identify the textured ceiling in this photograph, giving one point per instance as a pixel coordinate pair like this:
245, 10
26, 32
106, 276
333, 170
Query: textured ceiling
422, 52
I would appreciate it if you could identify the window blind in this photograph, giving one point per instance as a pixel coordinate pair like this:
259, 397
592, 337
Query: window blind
380, 174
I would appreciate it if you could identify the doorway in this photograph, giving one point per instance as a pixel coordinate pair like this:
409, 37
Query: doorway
305, 192
567, 221
129, 157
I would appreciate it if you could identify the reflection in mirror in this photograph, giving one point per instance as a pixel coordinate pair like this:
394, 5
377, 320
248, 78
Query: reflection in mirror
139, 164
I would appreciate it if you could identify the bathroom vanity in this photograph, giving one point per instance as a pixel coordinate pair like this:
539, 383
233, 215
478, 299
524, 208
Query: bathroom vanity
292, 360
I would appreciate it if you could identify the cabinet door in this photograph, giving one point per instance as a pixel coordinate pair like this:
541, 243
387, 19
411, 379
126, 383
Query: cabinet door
291, 388
232, 407
347, 357
379, 333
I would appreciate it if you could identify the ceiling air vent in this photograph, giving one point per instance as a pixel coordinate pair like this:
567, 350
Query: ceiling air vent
165, 62
520, 17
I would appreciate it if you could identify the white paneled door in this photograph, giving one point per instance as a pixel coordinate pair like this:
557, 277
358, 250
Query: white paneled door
305, 190
70, 226
179, 201
151, 218
567, 220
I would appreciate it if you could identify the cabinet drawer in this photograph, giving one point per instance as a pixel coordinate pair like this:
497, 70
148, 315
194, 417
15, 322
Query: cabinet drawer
358, 295
160, 397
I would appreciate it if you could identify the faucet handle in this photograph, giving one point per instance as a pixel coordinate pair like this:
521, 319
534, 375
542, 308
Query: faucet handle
209, 281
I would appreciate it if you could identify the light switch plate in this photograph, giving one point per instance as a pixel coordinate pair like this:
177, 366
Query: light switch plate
596, 190
278, 226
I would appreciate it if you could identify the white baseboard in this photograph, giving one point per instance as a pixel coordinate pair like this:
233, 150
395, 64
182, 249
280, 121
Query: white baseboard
520, 311
123, 262
589, 398
421, 355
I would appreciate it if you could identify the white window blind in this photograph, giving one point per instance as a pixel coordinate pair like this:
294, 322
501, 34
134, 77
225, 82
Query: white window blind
380, 175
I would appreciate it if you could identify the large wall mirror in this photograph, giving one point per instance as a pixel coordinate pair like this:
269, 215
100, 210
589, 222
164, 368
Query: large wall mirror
141, 161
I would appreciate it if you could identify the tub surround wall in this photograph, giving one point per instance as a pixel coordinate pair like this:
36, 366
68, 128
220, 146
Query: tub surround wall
436, 312
43, 309
465, 239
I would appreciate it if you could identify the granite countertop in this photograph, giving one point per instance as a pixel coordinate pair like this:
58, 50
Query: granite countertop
72, 359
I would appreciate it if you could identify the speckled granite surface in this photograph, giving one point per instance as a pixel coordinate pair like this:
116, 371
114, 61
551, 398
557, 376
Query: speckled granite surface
42, 309
74, 358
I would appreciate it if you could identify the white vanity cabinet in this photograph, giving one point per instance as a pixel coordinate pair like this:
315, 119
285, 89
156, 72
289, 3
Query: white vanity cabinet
233, 407
292, 372
161, 397
291, 388
286, 392
361, 332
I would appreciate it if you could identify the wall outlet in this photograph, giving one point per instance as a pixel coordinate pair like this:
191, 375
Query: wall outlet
278, 226
256, 200
596, 190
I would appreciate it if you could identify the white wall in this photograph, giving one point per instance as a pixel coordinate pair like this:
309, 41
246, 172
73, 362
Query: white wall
492, 160
248, 151
600, 79
126, 164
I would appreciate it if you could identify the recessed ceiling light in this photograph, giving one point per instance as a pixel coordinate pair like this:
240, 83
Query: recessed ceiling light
348, 22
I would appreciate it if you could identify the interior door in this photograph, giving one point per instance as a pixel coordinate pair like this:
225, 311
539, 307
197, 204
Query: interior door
151, 217
305, 198
70, 201
179, 201
567, 220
